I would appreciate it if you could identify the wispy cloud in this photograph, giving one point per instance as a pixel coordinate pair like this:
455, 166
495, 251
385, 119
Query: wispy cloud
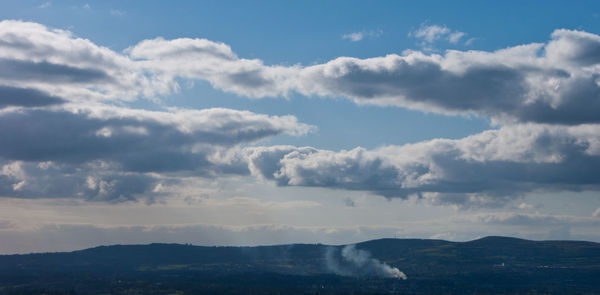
357, 36
429, 34
45, 4
117, 12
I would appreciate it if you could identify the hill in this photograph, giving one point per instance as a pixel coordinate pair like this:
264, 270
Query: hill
491, 265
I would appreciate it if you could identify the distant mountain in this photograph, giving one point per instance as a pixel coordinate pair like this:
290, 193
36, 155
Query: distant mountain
491, 265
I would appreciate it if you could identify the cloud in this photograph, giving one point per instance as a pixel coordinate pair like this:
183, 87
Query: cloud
429, 34
109, 153
512, 84
19, 238
354, 37
486, 169
56, 62
521, 219
117, 12
11, 96
215, 62
544, 96
45, 4
526, 206
96, 181
455, 37
528, 83
554, 82
357, 36
69, 237
74, 133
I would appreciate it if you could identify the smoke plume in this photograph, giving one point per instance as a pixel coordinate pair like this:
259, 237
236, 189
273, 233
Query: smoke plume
359, 263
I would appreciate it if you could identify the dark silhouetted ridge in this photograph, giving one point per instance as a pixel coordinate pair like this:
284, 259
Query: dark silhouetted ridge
490, 265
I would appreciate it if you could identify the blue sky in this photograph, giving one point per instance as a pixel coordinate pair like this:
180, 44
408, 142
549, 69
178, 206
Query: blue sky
335, 121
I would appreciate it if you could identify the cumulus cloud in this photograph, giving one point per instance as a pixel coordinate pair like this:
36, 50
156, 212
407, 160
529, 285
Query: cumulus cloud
105, 152
543, 83
58, 63
51, 83
95, 181
512, 84
486, 169
214, 62
554, 82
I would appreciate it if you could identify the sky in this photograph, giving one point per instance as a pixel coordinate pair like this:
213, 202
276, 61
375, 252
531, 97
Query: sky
270, 122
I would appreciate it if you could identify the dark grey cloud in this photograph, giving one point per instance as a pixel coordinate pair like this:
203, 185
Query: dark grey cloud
139, 141
47, 72
115, 154
498, 90
24, 97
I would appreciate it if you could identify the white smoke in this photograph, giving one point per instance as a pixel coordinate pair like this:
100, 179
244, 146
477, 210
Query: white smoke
359, 263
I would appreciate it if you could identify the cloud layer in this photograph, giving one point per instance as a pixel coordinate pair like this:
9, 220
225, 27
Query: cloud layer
61, 138
554, 82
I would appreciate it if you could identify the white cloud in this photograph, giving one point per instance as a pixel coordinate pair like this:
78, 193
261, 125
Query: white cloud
48, 75
525, 206
487, 169
555, 82
55, 62
357, 36
530, 83
117, 12
455, 37
430, 33
45, 4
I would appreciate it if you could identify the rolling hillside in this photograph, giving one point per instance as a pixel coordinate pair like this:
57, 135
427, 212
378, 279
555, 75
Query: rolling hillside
492, 265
